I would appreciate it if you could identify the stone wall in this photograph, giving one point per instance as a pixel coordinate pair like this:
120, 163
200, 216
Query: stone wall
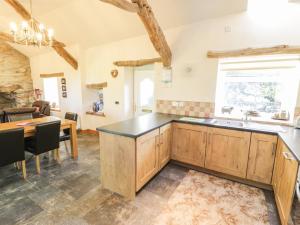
16, 89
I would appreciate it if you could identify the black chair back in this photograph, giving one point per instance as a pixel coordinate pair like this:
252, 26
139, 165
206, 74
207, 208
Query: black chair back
70, 116
12, 146
47, 137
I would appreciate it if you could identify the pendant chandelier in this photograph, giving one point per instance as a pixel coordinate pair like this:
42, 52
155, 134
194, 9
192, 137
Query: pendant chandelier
31, 33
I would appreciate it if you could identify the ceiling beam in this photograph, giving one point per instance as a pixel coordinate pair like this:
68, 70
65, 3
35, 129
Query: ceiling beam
140, 62
57, 46
155, 33
10, 38
275, 50
124, 4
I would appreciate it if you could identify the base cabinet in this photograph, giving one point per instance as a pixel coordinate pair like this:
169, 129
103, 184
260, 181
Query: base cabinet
284, 181
189, 143
261, 157
165, 145
147, 150
227, 151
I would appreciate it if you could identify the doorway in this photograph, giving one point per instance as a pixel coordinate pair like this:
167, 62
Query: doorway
144, 86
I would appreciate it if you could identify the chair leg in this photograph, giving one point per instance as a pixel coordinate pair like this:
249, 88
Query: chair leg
24, 169
66, 146
37, 164
54, 154
57, 155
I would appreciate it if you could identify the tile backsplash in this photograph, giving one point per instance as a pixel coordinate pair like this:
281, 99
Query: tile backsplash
186, 108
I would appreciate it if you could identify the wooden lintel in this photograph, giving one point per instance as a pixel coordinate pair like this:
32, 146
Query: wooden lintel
140, 62
280, 49
97, 86
48, 75
123, 4
57, 46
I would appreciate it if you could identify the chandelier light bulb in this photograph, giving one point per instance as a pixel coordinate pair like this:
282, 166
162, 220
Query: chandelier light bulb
50, 33
24, 25
39, 37
13, 27
41, 27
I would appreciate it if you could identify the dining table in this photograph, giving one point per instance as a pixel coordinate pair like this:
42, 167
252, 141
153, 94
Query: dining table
29, 129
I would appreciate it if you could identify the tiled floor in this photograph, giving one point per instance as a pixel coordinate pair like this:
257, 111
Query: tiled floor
71, 193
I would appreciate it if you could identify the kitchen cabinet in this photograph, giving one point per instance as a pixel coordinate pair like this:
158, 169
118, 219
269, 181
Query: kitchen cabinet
189, 143
261, 157
284, 181
165, 145
147, 150
227, 151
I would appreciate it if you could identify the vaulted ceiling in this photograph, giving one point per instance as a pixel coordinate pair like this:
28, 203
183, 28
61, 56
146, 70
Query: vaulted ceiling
92, 22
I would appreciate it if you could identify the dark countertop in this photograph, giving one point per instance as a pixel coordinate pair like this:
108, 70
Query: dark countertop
138, 126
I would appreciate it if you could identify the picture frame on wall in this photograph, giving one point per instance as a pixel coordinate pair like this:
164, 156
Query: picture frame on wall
64, 88
63, 80
64, 94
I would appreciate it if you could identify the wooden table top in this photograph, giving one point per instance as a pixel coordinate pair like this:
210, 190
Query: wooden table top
30, 128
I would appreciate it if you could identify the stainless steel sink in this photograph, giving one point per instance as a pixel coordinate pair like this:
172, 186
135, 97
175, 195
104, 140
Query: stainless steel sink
230, 123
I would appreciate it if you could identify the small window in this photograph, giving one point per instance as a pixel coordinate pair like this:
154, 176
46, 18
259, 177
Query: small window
51, 91
263, 87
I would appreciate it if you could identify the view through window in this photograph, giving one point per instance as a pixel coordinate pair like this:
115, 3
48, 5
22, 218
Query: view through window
265, 88
51, 91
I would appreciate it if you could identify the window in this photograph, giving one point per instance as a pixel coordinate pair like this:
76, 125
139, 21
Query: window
261, 86
51, 91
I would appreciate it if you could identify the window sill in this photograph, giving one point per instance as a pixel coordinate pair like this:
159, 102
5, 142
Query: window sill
55, 109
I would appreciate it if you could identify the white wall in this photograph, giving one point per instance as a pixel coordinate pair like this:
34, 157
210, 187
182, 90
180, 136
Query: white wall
189, 44
52, 63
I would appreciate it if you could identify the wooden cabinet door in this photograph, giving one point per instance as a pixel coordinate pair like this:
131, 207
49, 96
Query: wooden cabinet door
189, 143
147, 148
227, 151
261, 157
284, 181
165, 145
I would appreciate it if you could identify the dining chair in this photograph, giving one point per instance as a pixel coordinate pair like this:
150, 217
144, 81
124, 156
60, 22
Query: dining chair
66, 132
12, 148
46, 139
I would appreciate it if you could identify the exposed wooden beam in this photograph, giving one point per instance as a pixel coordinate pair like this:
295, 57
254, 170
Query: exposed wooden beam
48, 75
124, 4
280, 49
57, 46
156, 35
67, 56
140, 62
9, 38
6, 37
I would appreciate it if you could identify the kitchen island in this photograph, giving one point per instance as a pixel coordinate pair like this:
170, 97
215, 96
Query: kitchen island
266, 156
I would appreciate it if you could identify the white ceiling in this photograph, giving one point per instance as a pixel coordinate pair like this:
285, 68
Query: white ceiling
91, 22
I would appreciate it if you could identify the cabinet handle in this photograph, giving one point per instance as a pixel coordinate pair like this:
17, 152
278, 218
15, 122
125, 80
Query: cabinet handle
288, 156
204, 137
208, 139
274, 149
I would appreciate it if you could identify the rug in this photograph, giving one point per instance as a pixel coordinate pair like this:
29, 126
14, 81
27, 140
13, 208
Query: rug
202, 199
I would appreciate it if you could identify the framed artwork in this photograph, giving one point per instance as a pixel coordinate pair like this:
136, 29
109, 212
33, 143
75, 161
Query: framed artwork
64, 94
64, 88
63, 80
